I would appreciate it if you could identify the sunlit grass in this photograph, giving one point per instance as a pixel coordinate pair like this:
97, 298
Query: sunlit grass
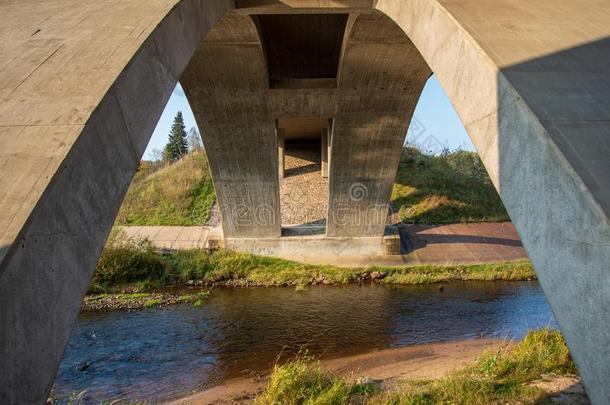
180, 193
501, 376
302, 382
137, 264
450, 188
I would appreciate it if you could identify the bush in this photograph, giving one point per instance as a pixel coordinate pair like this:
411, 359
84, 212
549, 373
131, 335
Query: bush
124, 260
184, 265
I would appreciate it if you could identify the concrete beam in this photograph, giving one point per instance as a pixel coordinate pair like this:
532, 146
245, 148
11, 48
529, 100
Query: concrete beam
538, 115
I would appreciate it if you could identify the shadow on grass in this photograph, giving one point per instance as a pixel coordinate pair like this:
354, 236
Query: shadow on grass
453, 187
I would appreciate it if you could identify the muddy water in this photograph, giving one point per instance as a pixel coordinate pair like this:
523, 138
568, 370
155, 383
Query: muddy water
166, 353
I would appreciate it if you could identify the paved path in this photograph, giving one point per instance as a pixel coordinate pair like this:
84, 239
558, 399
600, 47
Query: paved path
420, 244
171, 237
462, 243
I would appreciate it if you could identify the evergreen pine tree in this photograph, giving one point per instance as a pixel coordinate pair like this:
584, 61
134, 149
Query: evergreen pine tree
176, 146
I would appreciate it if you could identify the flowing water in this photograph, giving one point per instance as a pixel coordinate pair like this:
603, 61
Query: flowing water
159, 354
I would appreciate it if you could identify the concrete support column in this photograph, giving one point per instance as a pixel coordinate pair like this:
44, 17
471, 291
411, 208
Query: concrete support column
281, 146
374, 106
324, 152
229, 101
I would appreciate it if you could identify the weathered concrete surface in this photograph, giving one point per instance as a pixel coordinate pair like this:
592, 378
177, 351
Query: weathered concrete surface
324, 149
378, 85
82, 86
228, 98
307, 243
521, 75
173, 237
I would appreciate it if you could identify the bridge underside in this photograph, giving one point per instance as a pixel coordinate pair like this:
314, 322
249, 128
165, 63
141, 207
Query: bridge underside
349, 80
83, 87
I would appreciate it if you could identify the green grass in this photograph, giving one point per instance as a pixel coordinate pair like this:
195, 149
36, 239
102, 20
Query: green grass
139, 266
450, 188
453, 187
180, 193
496, 377
297, 382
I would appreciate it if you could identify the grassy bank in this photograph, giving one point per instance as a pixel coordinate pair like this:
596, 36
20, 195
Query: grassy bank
136, 266
453, 187
503, 376
180, 193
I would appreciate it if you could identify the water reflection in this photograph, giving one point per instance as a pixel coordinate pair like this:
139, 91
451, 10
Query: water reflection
160, 354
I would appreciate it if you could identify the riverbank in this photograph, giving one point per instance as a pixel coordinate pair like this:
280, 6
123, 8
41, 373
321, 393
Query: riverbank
383, 367
132, 278
471, 371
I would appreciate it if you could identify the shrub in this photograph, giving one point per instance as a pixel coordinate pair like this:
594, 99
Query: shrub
125, 260
184, 265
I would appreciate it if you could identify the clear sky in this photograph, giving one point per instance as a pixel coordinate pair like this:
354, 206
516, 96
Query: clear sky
435, 124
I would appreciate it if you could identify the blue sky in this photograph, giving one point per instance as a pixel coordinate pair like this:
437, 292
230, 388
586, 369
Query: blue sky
435, 124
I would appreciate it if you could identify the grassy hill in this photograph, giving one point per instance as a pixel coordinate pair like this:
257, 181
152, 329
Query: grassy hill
181, 193
450, 188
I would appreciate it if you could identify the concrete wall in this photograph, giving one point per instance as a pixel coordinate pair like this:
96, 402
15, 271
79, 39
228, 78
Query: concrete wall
83, 86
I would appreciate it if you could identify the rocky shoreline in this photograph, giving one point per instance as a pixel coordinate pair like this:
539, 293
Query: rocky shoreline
195, 292
139, 301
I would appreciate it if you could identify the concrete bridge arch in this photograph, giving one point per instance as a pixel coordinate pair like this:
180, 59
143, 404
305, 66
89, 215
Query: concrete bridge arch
82, 88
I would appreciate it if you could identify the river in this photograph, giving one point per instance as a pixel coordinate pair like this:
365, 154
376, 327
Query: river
160, 354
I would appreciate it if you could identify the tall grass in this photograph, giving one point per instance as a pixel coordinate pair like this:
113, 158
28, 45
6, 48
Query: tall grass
298, 382
180, 193
126, 260
502, 376
453, 187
